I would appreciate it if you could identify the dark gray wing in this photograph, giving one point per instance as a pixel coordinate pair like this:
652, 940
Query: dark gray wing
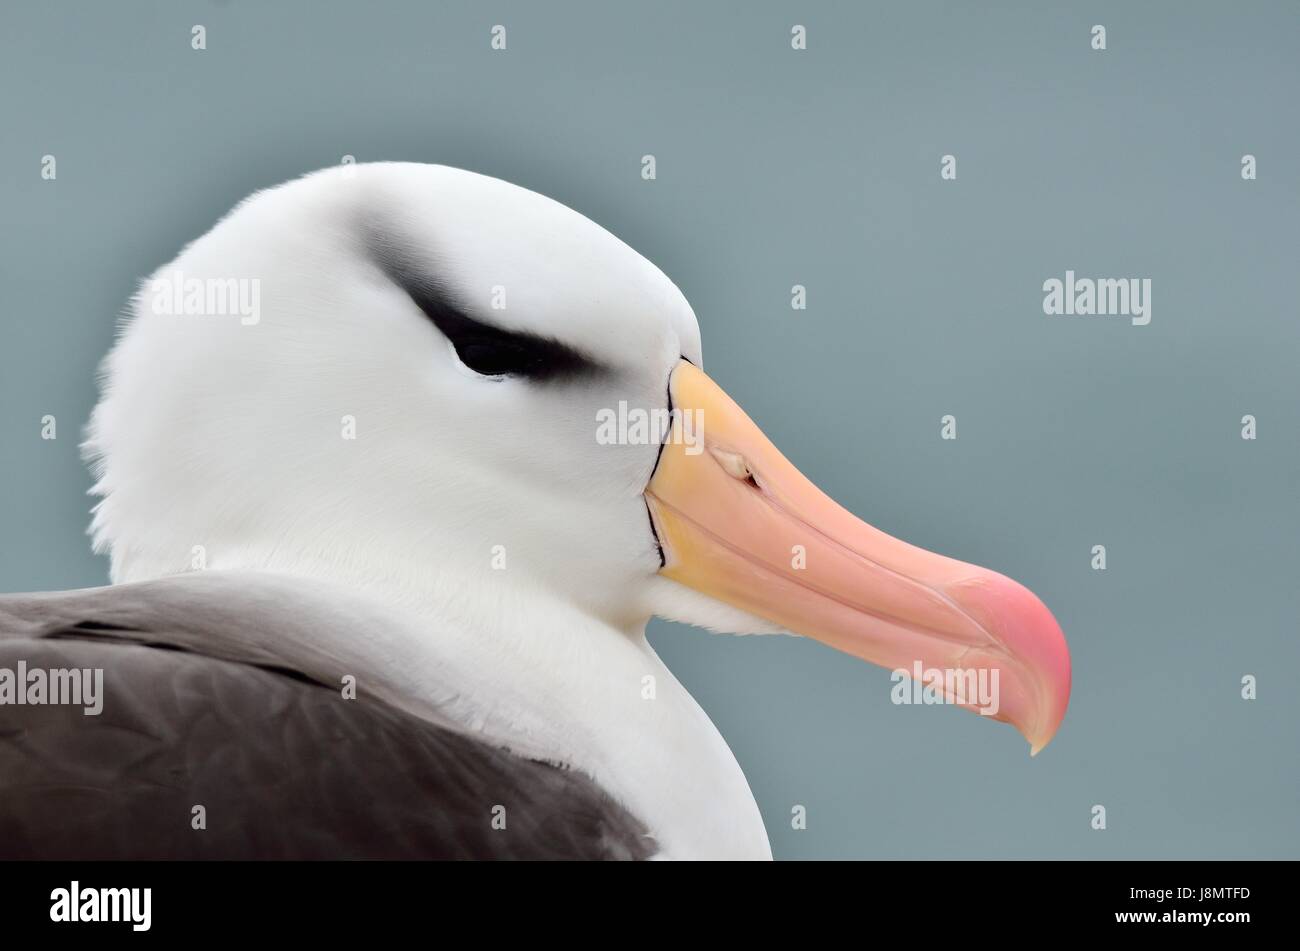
282, 765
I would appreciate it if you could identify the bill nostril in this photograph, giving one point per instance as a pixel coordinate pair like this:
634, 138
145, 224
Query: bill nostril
735, 465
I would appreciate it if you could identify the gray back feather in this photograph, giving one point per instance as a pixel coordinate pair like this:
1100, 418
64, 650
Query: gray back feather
221, 693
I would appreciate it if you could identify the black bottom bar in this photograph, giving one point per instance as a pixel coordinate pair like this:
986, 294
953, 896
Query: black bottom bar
436, 901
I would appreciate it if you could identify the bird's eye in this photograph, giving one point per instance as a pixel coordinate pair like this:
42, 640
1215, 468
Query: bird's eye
485, 348
494, 357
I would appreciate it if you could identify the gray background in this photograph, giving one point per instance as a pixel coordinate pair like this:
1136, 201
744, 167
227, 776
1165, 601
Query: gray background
822, 168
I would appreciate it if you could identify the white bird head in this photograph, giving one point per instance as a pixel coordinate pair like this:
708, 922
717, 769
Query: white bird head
418, 377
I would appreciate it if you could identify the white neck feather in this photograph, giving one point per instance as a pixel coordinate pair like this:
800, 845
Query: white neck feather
547, 681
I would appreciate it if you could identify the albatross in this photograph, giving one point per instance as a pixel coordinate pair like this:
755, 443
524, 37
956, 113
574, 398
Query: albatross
379, 590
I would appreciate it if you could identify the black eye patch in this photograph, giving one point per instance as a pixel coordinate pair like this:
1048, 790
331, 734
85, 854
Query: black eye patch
484, 348
493, 351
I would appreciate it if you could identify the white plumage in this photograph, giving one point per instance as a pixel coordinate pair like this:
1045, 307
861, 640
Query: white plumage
215, 433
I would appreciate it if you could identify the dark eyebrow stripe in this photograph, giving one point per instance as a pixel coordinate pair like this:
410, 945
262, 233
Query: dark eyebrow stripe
548, 359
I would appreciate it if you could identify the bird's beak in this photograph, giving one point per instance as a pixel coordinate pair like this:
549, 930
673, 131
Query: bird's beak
739, 523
